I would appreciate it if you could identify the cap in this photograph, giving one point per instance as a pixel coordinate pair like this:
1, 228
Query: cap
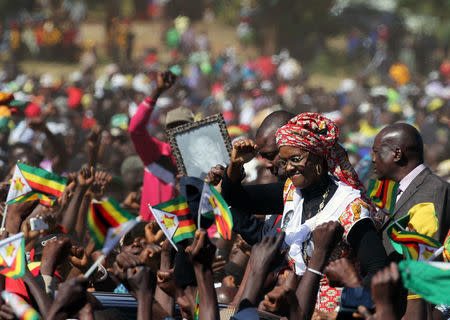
179, 114
33, 110
131, 163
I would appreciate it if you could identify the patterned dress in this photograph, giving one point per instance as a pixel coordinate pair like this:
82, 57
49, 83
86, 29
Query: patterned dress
329, 297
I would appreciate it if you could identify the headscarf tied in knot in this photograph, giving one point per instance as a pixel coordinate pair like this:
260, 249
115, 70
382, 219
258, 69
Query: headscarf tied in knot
319, 135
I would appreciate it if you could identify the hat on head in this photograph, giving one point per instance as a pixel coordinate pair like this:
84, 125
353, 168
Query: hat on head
131, 163
33, 110
179, 114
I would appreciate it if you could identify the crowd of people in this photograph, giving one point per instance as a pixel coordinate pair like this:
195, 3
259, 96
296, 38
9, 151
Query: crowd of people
296, 182
44, 32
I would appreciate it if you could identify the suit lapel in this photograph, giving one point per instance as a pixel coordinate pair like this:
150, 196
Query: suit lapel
410, 191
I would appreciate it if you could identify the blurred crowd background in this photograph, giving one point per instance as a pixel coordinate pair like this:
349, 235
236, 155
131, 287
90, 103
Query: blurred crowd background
84, 63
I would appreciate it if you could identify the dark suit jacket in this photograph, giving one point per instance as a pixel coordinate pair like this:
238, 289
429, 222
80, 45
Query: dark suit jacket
247, 200
426, 187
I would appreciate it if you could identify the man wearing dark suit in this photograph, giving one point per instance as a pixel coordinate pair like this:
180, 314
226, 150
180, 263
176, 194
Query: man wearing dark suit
397, 154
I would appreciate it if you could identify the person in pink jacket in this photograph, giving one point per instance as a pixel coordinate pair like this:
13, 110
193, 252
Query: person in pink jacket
160, 166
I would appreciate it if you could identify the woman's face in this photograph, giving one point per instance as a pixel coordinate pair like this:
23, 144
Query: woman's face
300, 166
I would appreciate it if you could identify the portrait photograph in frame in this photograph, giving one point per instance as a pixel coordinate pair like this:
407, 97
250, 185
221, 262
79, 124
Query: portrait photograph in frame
200, 145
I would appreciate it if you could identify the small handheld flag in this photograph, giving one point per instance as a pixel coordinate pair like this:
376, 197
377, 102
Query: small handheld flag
108, 222
383, 193
411, 244
168, 222
21, 309
43, 181
19, 186
27, 179
12, 256
185, 226
211, 205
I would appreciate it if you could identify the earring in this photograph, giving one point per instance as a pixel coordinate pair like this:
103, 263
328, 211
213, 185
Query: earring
318, 169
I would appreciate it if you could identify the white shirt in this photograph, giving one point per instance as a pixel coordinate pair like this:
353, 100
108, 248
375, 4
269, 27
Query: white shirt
406, 181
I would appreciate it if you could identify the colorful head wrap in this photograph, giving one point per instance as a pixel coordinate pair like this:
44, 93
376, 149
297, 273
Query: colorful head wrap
319, 135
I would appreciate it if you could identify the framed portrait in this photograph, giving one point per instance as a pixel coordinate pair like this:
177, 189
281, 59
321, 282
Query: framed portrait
200, 145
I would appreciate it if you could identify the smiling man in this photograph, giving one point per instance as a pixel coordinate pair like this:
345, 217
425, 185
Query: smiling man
397, 154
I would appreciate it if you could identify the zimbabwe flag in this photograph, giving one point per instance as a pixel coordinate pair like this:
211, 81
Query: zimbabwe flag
383, 193
12, 256
28, 179
446, 253
212, 205
186, 225
103, 216
43, 199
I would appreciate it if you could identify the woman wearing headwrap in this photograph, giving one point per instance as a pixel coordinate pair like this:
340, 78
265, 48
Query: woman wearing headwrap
322, 186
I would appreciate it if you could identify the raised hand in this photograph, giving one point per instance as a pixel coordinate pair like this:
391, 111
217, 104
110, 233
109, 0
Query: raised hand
85, 177
326, 236
79, 258
17, 213
132, 201
218, 264
167, 255
261, 260
71, 297
153, 233
243, 245
55, 252
164, 81
386, 289
123, 262
215, 175
101, 179
141, 279
282, 297
94, 138
186, 301
201, 251
7, 312
243, 151
342, 273
151, 256
30, 235
265, 253
166, 281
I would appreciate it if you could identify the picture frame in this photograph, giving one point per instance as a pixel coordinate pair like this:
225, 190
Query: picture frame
200, 145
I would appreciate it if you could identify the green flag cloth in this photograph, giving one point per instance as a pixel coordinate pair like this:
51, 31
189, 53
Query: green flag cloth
430, 280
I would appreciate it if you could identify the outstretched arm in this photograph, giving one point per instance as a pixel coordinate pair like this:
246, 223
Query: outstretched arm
201, 254
325, 238
261, 259
84, 180
147, 147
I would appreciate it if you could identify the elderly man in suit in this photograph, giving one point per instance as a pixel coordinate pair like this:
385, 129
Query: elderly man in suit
397, 154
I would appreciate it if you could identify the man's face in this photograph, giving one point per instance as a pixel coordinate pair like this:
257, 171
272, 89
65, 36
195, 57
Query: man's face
268, 150
382, 158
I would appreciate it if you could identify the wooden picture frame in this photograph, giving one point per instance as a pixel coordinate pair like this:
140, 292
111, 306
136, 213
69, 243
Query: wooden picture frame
200, 145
